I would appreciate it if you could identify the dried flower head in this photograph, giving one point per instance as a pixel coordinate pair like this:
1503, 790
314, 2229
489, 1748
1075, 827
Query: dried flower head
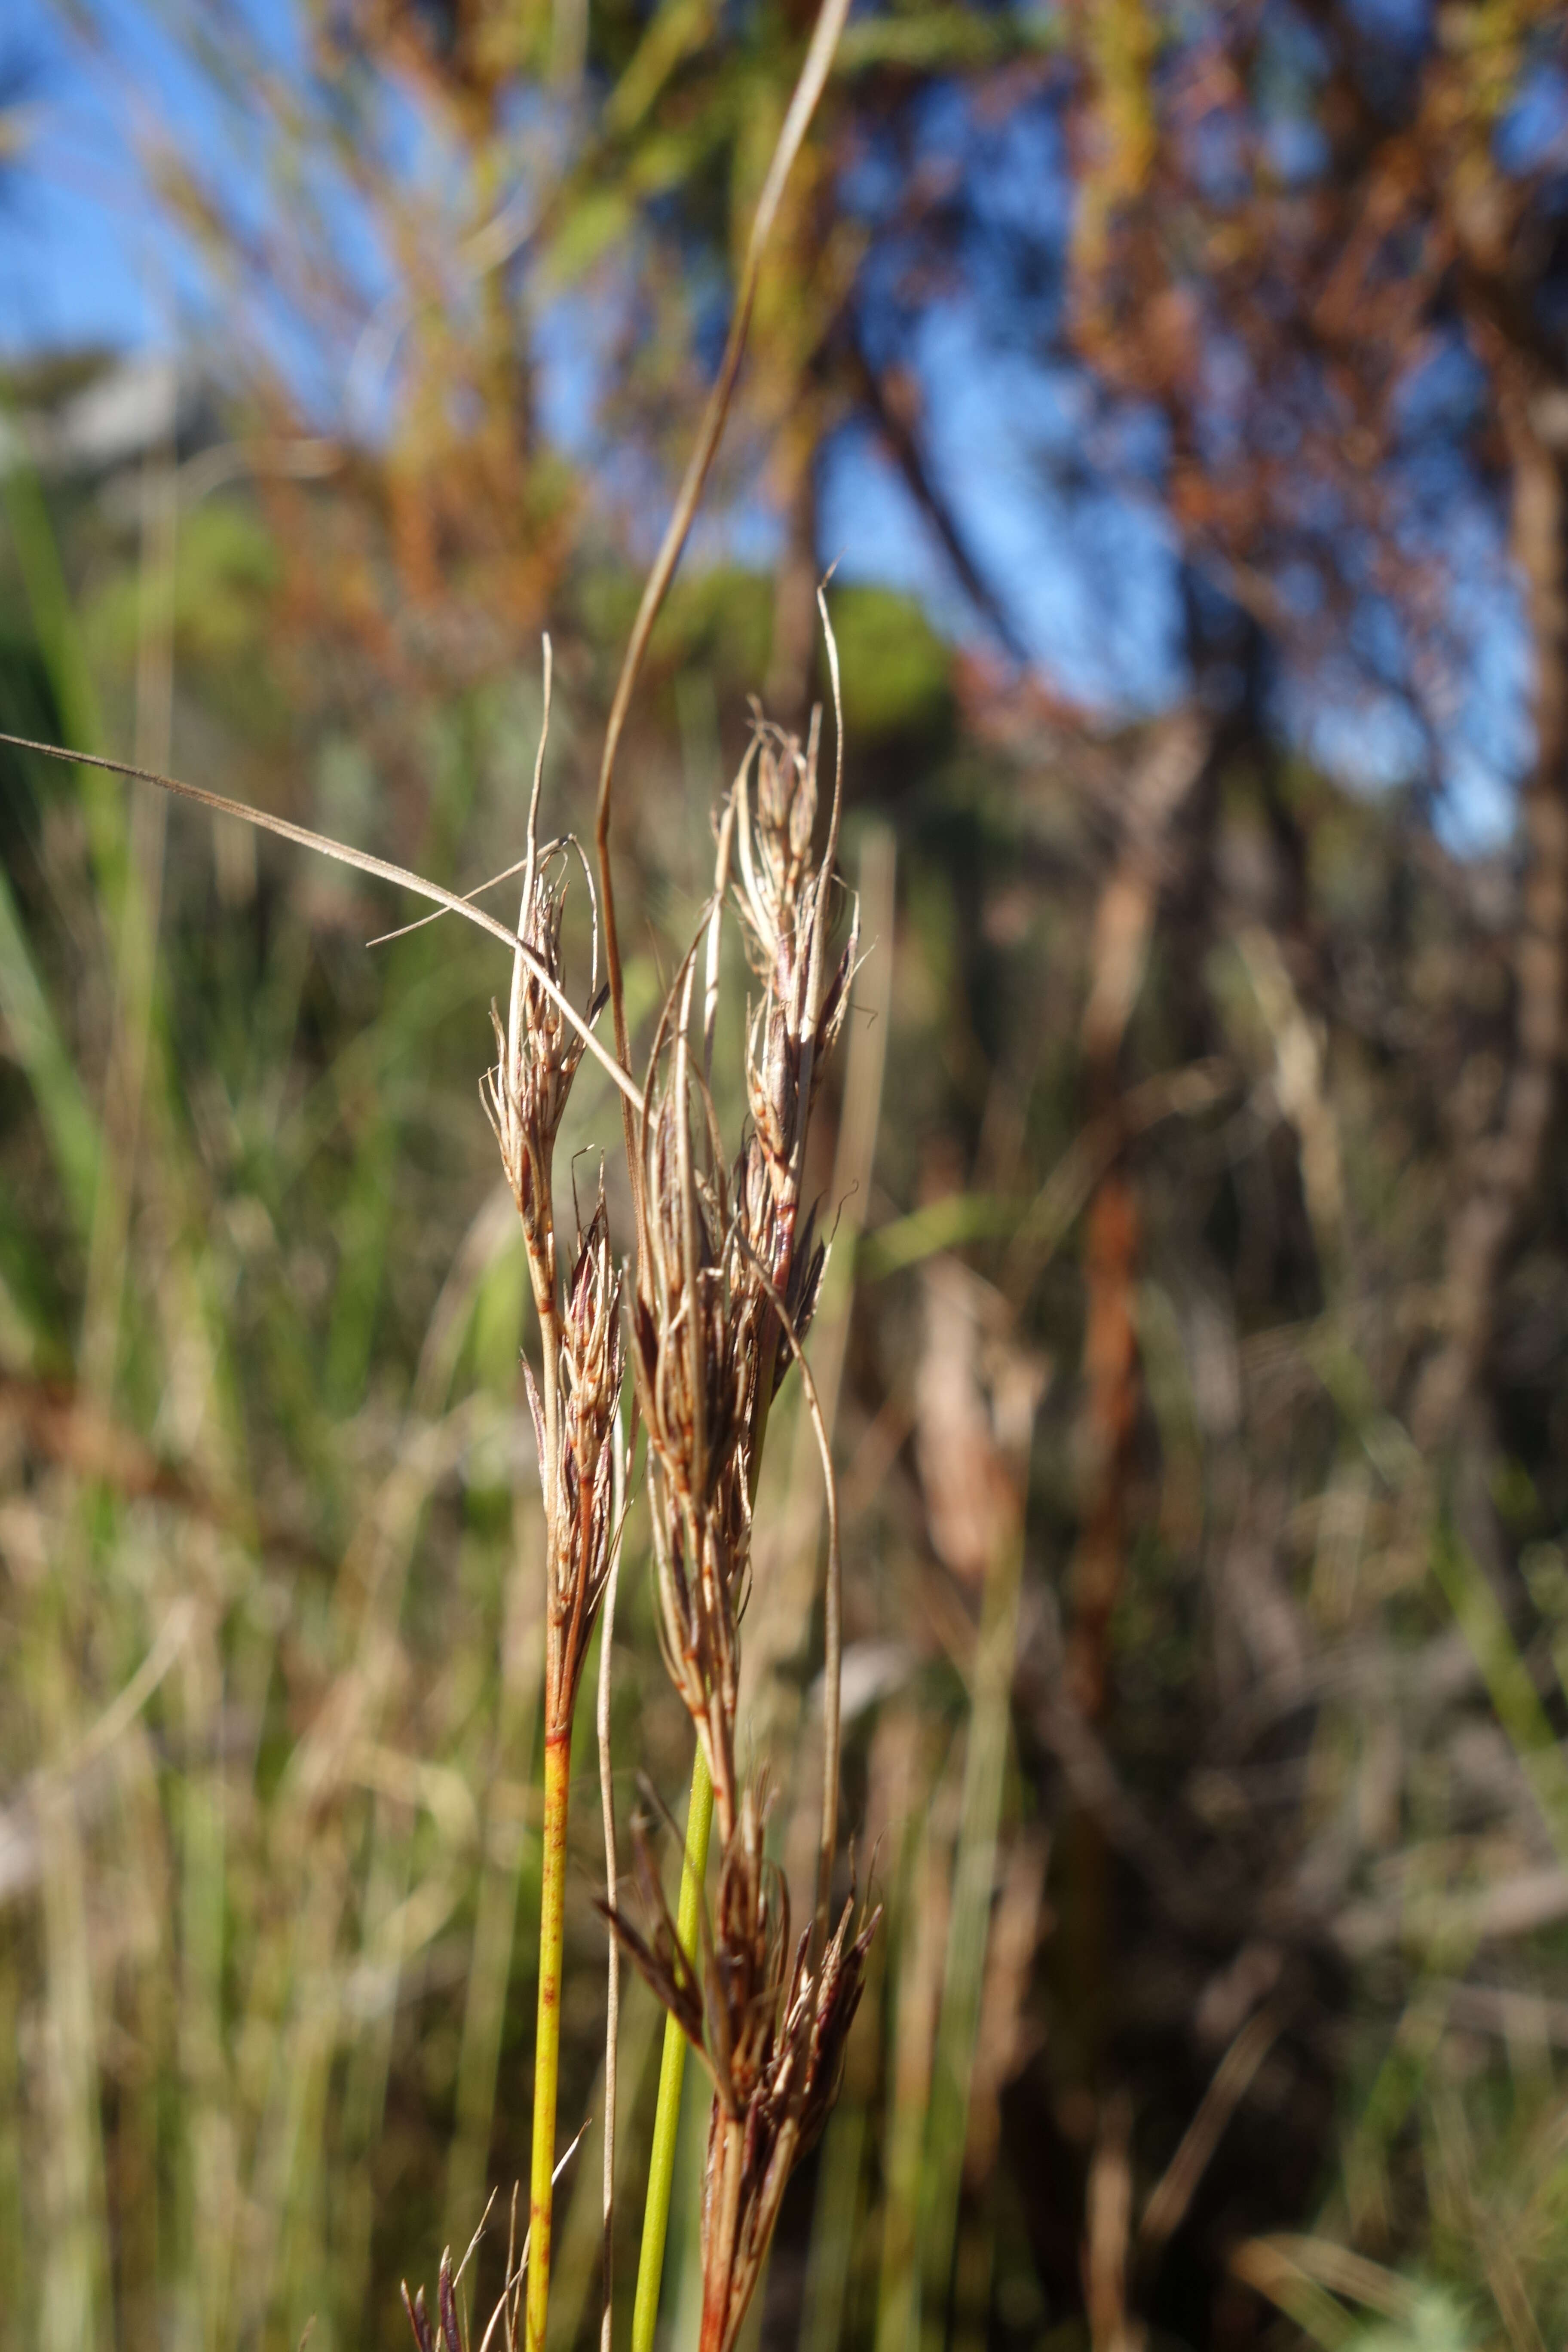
785, 900
578, 1459
777, 818
770, 2027
785, 897
797, 2066
538, 1051
693, 1348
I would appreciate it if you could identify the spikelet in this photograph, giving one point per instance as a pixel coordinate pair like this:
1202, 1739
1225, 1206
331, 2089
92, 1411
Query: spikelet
583, 1532
785, 901
692, 1341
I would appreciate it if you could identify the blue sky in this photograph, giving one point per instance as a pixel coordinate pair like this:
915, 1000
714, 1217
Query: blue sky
1083, 559
86, 257
76, 262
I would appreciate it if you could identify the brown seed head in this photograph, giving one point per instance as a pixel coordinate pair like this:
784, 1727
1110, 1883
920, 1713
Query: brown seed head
770, 2027
537, 1055
724, 1267
786, 907
745, 1960
785, 903
583, 1530
777, 818
751, 2155
693, 1342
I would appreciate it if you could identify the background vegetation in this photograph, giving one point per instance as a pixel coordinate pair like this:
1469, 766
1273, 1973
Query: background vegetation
1195, 1334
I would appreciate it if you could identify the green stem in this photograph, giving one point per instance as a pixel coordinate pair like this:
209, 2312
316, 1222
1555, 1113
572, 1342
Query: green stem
672, 2068
547, 2039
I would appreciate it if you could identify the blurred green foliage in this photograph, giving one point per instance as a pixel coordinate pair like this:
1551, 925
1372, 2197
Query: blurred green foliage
1204, 1709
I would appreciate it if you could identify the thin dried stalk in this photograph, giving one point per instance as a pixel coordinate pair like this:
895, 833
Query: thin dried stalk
808, 90
364, 863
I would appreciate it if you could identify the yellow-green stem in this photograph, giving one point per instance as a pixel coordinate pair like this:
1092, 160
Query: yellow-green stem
547, 2039
672, 2068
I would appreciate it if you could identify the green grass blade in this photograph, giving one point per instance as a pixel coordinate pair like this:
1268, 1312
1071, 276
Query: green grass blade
36, 1041
990, 1729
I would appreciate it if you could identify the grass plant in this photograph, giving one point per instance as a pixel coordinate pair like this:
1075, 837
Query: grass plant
726, 1285
296, 1653
706, 1363
237, 2186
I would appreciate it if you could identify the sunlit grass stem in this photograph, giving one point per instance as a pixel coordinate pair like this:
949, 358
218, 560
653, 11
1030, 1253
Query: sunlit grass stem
547, 2041
672, 2068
